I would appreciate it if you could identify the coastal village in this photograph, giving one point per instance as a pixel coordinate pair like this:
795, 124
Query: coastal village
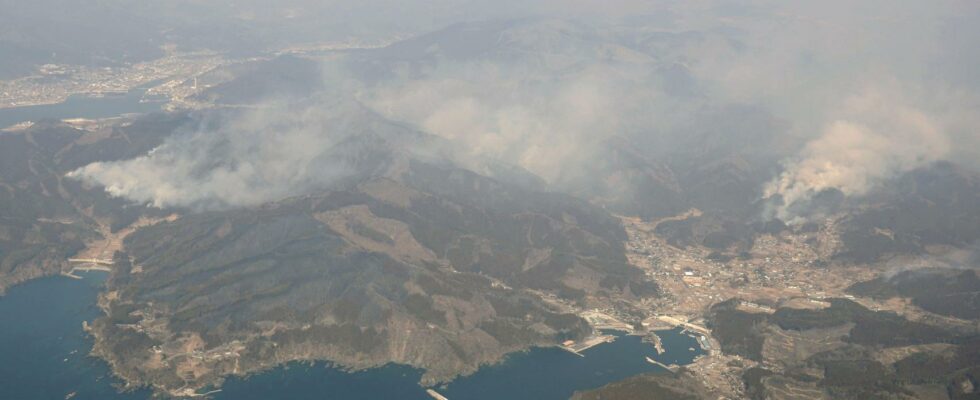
780, 271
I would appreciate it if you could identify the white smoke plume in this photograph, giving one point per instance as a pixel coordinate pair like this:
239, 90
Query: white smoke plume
545, 94
965, 258
261, 155
543, 124
876, 138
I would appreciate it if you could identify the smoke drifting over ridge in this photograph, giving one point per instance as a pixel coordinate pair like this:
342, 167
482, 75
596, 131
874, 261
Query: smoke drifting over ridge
547, 126
966, 258
864, 94
258, 156
875, 139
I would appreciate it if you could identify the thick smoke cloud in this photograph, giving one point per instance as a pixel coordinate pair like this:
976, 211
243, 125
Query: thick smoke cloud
876, 138
547, 125
870, 89
254, 157
862, 93
965, 258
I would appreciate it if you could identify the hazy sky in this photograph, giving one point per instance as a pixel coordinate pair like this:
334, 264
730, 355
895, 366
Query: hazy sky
857, 92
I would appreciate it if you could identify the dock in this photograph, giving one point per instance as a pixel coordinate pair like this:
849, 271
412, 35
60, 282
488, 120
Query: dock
704, 343
571, 350
657, 343
71, 274
671, 368
587, 343
436, 395
87, 264
188, 392
85, 268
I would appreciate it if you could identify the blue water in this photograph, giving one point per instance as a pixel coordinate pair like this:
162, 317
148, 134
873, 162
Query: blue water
82, 106
550, 373
43, 355
539, 374
43, 350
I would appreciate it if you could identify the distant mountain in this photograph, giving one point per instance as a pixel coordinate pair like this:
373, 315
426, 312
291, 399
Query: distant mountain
945, 291
717, 161
934, 205
255, 81
111, 33
627, 182
534, 43
87, 33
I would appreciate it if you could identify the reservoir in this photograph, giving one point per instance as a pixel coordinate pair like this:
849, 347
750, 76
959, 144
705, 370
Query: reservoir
44, 355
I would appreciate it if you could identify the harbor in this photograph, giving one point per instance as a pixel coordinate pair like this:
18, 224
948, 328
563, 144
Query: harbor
87, 265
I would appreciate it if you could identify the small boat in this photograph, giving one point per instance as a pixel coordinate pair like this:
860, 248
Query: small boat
70, 395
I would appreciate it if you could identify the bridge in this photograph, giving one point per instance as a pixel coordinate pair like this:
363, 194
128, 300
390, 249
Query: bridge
680, 322
96, 261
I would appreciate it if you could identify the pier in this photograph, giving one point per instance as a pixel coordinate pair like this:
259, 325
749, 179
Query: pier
704, 343
657, 343
436, 395
587, 343
671, 368
571, 350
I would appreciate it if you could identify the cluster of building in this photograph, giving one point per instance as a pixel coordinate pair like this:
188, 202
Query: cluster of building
54, 83
782, 269
777, 267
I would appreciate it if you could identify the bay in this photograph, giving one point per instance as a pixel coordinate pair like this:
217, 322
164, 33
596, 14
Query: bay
83, 106
44, 355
